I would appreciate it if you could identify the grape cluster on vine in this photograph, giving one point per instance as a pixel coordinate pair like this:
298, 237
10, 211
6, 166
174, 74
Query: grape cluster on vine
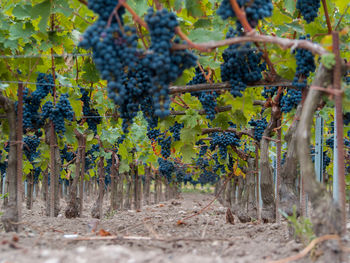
137, 80
31, 143
223, 140
165, 144
259, 128
255, 10
203, 147
242, 65
66, 155
92, 115
166, 168
105, 8
3, 165
308, 9
305, 65
153, 134
31, 102
290, 100
176, 130
57, 114
269, 92
218, 167
207, 99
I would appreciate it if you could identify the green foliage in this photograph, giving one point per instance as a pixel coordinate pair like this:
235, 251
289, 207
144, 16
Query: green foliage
303, 230
328, 60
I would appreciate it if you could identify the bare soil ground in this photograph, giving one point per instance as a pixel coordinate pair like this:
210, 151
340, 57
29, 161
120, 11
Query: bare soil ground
205, 238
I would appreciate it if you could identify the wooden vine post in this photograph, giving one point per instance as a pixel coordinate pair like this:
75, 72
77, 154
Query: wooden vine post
82, 175
19, 152
53, 179
337, 75
278, 174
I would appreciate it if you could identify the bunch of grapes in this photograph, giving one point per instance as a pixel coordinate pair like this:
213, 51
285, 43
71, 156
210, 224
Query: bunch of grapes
198, 78
37, 171
92, 114
255, 10
118, 60
134, 78
308, 9
180, 173
326, 160
148, 111
346, 118
166, 65
165, 144
207, 177
290, 100
347, 76
203, 148
3, 165
207, 99
166, 168
66, 155
90, 158
305, 65
242, 65
259, 128
283, 160
105, 8
218, 166
209, 103
153, 134
62, 110
269, 92
31, 102
330, 142
30, 146
176, 130
202, 163
223, 140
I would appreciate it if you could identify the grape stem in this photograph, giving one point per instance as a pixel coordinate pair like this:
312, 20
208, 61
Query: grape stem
238, 133
206, 76
84, 2
328, 21
227, 86
133, 13
270, 139
202, 112
190, 44
184, 103
284, 43
178, 103
341, 18
240, 14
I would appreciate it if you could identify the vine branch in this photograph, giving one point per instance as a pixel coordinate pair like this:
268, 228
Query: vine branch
240, 14
284, 43
328, 21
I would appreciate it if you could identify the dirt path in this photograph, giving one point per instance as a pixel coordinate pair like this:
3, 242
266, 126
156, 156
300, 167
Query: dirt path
205, 238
